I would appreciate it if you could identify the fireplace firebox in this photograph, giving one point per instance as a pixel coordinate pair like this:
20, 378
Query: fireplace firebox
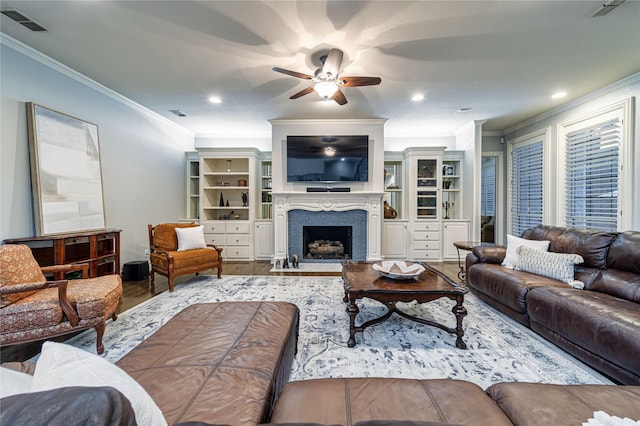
327, 242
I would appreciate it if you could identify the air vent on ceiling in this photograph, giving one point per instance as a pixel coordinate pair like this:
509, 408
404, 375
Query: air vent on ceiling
605, 8
23, 20
178, 112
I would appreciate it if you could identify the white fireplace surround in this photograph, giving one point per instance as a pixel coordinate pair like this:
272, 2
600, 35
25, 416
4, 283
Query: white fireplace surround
371, 202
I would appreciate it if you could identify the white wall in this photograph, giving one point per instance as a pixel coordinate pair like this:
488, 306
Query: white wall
143, 154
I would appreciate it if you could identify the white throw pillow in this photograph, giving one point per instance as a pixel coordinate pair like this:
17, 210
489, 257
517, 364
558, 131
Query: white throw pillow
61, 365
13, 382
559, 266
511, 259
190, 238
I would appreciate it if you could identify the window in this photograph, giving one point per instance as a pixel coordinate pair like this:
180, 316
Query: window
488, 183
592, 165
527, 172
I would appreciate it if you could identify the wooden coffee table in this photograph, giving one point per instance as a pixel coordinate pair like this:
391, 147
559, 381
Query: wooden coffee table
361, 280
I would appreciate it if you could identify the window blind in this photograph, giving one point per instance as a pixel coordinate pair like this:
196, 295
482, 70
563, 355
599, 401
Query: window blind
592, 164
488, 183
526, 186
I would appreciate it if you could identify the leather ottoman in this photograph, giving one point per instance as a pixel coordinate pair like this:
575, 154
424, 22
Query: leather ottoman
221, 363
347, 401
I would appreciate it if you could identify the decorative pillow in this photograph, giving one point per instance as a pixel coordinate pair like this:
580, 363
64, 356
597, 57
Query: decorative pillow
559, 266
190, 238
511, 259
13, 382
61, 365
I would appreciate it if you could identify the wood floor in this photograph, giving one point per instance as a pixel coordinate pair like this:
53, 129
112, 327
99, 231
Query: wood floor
136, 292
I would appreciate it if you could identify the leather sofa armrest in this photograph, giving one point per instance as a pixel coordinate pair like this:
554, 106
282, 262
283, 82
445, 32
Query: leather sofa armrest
490, 254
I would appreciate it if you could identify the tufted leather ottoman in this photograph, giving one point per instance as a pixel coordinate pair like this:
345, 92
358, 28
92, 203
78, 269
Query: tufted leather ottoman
220, 363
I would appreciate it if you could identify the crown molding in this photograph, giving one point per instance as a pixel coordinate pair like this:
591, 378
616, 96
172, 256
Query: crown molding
49, 62
633, 78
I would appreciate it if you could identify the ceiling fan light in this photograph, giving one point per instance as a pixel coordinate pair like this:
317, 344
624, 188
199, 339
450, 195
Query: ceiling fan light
325, 89
329, 151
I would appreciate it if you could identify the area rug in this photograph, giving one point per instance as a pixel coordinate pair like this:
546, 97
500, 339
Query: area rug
311, 267
499, 349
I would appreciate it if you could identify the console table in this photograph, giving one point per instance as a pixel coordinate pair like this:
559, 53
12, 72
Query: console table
99, 249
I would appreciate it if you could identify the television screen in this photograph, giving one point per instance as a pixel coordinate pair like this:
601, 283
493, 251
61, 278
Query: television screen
327, 158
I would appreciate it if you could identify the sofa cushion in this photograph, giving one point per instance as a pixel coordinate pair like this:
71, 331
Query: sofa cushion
347, 401
187, 260
95, 297
512, 258
13, 382
617, 283
593, 246
624, 252
599, 323
61, 366
18, 266
190, 238
537, 404
559, 266
506, 286
39, 310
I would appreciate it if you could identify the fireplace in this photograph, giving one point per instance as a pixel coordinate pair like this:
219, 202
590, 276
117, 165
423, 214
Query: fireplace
327, 242
349, 227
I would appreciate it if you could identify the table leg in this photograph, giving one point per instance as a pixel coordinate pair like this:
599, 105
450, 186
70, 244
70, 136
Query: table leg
460, 312
352, 310
461, 273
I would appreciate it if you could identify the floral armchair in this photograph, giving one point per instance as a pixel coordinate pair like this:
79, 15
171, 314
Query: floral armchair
32, 308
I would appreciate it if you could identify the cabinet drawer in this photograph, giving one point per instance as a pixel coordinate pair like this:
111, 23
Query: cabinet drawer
426, 226
237, 239
427, 245
215, 239
214, 228
426, 236
427, 254
238, 228
235, 252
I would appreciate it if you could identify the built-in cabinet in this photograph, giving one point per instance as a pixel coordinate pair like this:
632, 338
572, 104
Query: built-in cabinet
263, 239
193, 187
429, 204
227, 192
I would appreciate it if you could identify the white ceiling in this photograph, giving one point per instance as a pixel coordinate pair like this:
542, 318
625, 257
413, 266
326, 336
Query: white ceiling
502, 59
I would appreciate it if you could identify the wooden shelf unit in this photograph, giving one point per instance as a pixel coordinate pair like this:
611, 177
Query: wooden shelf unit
99, 249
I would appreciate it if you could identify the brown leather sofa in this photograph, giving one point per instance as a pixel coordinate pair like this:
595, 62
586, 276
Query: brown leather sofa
599, 325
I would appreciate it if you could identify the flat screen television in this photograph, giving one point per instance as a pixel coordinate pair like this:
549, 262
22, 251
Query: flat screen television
327, 158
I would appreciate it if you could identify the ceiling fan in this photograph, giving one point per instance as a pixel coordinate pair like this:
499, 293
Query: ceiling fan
327, 80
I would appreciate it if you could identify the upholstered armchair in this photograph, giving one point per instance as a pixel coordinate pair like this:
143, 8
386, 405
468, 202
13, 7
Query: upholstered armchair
179, 249
32, 308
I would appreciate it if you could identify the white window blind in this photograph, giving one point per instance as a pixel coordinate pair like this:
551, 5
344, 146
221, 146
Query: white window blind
592, 161
526, 186
488, 182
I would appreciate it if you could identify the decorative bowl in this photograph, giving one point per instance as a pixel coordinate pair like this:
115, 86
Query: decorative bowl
398, 269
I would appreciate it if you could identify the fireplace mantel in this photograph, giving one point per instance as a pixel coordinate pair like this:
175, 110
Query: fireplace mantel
371, 202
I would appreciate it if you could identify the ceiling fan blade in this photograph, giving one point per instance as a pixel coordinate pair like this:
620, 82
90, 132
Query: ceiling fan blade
339, 97
293, 73
358, 81
332, 63
302, 93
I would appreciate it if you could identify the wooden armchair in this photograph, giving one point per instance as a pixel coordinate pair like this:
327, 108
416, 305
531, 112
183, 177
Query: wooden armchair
32, 308
167, 260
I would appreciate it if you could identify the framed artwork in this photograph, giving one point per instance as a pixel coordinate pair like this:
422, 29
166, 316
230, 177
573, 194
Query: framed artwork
66, 175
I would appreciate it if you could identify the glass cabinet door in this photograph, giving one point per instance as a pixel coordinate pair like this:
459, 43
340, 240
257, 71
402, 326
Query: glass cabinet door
427, 189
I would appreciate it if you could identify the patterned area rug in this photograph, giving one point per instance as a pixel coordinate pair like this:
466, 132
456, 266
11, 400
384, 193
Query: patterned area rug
499, 349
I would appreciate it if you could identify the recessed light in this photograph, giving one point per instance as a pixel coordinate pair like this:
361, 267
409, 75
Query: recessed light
417, 97
558, 95
215, 100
